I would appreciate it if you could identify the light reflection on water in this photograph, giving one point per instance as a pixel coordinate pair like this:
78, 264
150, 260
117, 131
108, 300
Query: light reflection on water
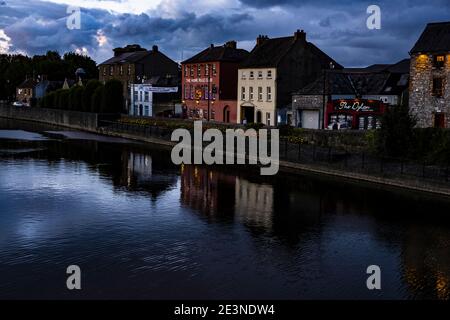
142, 228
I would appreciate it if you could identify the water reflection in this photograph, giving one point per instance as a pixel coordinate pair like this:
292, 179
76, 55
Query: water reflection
122, 211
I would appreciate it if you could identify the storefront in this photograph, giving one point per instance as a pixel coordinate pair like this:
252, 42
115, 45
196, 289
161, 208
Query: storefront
358, 114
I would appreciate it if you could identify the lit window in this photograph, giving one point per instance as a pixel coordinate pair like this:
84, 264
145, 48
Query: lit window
439, 61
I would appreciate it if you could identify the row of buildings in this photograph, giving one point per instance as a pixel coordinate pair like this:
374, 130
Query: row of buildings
286, 80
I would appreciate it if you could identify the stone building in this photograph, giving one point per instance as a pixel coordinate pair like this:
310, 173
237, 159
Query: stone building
274, 70
313, 105
25, 92
133, 64
210, 83
430, 77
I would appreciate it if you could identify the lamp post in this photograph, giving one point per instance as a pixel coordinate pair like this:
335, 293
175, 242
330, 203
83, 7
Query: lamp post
325, 73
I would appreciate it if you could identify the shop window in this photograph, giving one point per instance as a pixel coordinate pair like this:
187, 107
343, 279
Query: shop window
369, 123
439, 61
438, 87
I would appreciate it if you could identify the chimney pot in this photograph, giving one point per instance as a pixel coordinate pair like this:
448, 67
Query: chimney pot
155, 48
300, 35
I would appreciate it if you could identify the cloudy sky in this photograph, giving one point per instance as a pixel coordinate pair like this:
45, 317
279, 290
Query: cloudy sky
182, 27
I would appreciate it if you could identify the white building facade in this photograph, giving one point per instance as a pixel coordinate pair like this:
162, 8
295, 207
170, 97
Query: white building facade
257, 95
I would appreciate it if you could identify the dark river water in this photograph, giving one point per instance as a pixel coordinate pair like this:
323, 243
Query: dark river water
140, 227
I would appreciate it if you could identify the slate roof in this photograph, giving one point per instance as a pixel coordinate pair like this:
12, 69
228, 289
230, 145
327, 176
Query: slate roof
219, 53
132, 57
272, 51
392, 79
28, 83
435, 38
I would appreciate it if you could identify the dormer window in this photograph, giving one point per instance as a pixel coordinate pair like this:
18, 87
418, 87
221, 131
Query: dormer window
439, 61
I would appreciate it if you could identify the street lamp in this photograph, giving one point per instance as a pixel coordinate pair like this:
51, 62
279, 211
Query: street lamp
325, 73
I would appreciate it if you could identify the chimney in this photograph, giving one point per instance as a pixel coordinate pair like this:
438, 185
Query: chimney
155, 48
300, 35
261, 39
212, 46
231, 44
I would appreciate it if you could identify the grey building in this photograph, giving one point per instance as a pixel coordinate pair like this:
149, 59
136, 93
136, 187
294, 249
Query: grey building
430, 77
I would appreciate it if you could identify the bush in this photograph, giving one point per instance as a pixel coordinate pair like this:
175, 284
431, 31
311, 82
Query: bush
76, 98
97, 102
89, 90
113, 97
395, 138
286, 130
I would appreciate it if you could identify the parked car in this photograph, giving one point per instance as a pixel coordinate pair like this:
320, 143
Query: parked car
18, 104
339, 126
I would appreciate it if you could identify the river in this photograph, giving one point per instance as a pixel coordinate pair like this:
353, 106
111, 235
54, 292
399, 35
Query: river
142, 228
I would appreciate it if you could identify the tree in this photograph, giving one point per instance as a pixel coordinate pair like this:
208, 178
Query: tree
98, 99
88, 93
62, 98
76, 98
113, 97
396, 136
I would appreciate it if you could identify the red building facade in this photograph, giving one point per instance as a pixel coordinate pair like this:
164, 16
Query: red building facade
209, 83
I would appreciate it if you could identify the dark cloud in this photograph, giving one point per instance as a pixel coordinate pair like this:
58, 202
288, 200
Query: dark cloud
338, 28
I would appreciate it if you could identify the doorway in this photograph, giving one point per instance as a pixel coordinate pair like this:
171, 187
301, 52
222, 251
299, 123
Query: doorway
226, 114
439, 120
259, 117
248, 113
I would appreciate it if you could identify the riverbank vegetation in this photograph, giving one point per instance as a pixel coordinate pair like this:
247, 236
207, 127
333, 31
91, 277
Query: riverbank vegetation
94, 97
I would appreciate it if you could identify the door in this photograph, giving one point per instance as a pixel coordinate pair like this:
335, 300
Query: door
310, 119
226, 114
439, 120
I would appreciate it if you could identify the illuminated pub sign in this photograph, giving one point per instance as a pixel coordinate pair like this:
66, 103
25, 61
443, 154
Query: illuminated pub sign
355, 114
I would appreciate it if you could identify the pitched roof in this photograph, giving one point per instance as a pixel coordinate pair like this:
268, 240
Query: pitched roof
435, 38
223, 53
392, 79
28, 83
133, 57
272, 51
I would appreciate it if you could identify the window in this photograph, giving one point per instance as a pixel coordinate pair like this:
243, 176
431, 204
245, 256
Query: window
439, 61
186, 71
207, 70
252, 75
121, 70
269, 74
213, 114
199, 71
186, 92
251, 93
243, 93
129, 69
268, 118
244, 75
214, 91
104, 71
146, 99
260, 74
147, 111
438, 87
192, 71
269, 93
214, 71
111, 70
191, 92
260, 94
